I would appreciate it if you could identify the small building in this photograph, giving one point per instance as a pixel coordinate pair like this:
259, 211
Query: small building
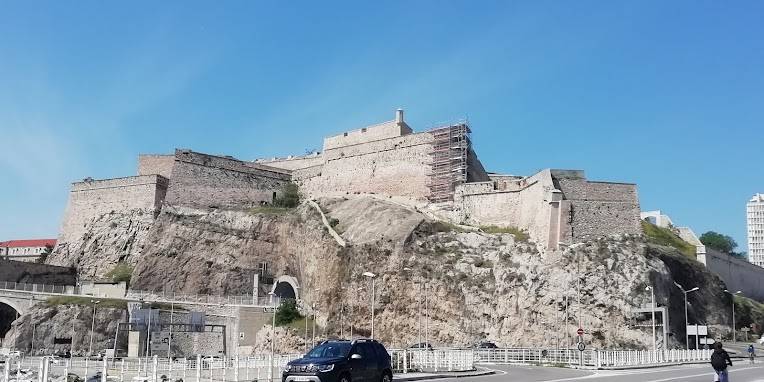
25, 250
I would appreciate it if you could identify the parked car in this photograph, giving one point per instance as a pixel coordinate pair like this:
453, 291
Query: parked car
422, 345
341, 361
487, 345
63, 354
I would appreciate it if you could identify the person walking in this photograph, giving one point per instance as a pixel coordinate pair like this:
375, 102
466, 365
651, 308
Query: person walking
719, 361
751, 353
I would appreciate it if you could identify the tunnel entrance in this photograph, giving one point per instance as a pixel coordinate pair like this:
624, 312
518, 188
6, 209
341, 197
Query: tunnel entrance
7, 316
284, 290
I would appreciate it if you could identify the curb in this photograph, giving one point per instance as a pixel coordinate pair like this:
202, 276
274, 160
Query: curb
466, 374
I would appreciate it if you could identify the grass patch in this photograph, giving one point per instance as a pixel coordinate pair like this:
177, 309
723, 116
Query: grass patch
121, 272
441, 226
519, 234
268, 210
299, 325
664, 236
85, 301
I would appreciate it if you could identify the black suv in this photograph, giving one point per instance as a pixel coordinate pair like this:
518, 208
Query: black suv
341, 361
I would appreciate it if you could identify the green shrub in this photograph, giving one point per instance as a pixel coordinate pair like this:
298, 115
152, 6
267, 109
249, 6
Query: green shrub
121, 272
441, 226
290, 196
287, 312
519, 234
666, 237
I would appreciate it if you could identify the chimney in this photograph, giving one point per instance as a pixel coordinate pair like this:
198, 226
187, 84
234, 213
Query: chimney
399, 116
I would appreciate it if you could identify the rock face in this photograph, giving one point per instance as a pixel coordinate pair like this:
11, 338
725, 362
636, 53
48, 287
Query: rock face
434, 280
107, 240
65, 321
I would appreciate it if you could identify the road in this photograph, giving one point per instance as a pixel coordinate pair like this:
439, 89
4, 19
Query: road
743, 372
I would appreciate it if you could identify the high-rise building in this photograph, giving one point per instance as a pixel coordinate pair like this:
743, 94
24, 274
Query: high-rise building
755, 214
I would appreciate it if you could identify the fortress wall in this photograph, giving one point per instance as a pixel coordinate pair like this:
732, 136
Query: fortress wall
600, 208
149, 164
91, 199
294, 163
384, 130
304, 174
202, 181
527, 209
397, 166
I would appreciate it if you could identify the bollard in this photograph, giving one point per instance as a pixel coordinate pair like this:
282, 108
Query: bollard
236, 369
156, 362
7, 369
198, 368
103, 369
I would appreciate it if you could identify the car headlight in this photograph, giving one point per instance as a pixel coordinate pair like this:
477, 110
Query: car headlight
285, 369
325, 368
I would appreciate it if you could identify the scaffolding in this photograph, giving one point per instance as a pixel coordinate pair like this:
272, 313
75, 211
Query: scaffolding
450, 149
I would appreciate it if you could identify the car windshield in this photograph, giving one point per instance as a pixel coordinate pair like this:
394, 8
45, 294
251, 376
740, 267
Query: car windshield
330, 350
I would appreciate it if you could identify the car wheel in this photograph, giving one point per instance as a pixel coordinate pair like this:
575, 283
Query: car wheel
344, 378
386, 377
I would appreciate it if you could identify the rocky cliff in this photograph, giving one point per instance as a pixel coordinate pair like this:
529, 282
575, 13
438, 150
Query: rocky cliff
452, 285
65, 319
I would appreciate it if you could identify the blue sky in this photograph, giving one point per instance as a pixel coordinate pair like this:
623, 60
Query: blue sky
669, 95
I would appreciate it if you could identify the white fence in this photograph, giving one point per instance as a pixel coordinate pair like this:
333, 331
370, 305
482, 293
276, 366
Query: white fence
235, 369
591, 358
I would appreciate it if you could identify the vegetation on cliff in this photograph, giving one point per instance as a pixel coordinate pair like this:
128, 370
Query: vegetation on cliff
666, 237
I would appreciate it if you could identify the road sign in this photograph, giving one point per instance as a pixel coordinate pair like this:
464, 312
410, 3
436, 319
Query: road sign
581, 346
580, 331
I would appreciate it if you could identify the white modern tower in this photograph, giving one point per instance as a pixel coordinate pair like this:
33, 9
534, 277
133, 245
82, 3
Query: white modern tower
755, 215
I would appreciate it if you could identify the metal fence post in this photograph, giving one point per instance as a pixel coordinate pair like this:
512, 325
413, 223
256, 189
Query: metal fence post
236, 369
103, 369
122, 370
405, 361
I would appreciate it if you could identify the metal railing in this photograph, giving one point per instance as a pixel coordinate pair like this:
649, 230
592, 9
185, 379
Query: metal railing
246, 300
134, 295
590, 358
427, 360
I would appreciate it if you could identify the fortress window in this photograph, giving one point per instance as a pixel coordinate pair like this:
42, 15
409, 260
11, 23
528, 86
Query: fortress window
344, 134
363, 130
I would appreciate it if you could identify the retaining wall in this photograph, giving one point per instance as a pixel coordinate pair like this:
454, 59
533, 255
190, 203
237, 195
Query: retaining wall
738, 274
32, 273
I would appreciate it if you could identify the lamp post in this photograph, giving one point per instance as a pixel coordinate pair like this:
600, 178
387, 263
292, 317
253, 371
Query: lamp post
273, 337
371, 276
92, 328
652, 312
734, 335
686, 324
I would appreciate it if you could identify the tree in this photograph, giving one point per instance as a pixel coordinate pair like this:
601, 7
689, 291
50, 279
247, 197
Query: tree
719, 242
44, 255
287, 312
290, 196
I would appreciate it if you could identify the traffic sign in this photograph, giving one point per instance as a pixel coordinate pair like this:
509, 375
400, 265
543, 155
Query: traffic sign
580, 331
581, 346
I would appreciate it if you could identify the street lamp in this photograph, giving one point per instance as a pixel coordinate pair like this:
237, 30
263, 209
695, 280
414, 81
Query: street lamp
92, 328
652, 311
371, 276
273, 337
686, 324
734, 335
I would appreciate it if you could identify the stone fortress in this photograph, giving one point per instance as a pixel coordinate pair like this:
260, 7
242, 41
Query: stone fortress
435, 170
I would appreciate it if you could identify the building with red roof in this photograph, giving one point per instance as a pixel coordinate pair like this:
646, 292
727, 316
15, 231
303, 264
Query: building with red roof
25, 250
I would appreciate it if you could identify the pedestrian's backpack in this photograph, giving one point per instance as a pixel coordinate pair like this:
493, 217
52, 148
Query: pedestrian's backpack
717, 361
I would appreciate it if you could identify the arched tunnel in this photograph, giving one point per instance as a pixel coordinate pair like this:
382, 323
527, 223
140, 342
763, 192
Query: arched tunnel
284, 289
7, 316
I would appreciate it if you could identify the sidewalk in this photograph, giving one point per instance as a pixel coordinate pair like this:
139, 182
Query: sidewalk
401, 377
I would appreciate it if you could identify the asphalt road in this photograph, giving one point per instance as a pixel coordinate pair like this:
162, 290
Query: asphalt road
742, 372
